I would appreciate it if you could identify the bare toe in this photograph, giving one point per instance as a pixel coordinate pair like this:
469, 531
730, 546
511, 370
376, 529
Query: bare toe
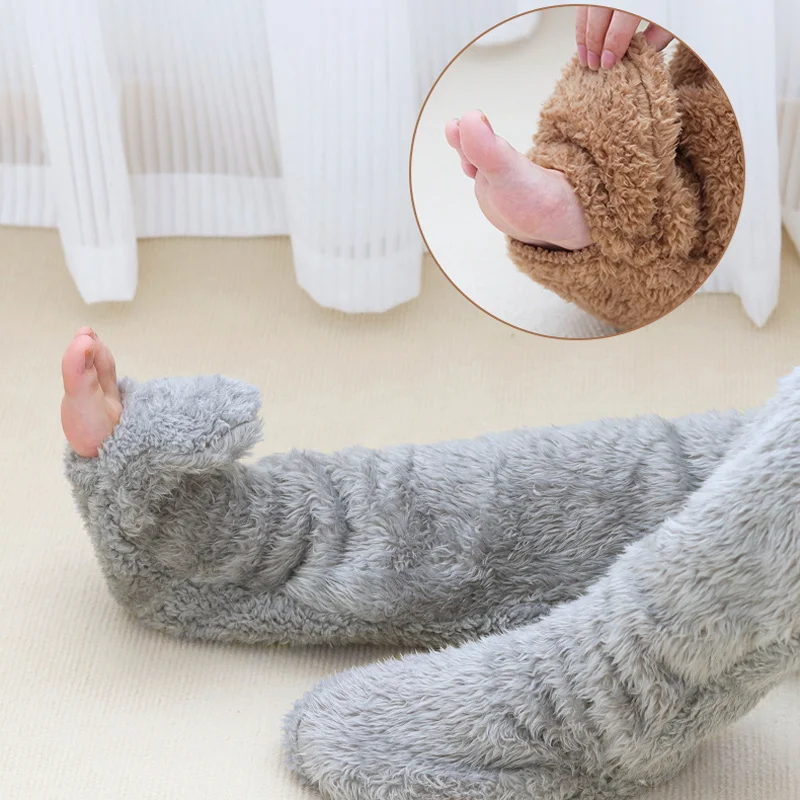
77, 365
490, 153
453, 135
106, 371
88, 415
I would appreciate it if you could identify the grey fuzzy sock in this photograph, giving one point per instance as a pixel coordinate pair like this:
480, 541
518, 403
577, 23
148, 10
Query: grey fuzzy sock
610, 693
414, 545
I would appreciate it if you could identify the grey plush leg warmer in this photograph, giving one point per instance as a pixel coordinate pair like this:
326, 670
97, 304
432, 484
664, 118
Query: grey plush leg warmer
417, 545
611, 692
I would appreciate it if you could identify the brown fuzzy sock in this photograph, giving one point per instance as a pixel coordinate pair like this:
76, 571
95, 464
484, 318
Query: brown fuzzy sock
656, 159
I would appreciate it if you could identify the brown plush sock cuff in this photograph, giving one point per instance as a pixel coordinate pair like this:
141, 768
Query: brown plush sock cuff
634, 143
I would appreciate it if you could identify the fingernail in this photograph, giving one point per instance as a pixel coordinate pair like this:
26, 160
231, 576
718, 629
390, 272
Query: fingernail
489, 124
608, 60
89, 358
582, 54
593, 60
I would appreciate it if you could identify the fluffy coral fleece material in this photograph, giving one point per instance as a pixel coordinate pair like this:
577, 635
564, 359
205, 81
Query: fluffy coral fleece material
608, 694
655, 156
418, 545
636, 544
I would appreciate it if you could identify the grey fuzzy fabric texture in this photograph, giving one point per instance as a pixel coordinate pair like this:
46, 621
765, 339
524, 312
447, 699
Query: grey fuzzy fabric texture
608, 694
416, 545
608, 568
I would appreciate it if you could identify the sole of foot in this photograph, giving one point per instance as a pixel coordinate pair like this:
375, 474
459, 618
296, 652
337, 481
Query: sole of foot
523, 200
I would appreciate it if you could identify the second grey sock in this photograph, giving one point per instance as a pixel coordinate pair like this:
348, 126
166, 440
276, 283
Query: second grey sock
610, 693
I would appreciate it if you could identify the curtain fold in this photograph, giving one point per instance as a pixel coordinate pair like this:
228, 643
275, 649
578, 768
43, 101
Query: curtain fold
788, 30
346, 102
80, 115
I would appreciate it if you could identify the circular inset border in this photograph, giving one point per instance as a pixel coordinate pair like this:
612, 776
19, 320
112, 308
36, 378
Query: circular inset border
424, 105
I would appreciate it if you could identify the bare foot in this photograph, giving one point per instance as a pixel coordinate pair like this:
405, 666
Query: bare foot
520, 198
92, 405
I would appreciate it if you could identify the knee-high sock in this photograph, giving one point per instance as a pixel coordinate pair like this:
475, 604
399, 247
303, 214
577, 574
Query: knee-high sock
611, 692
410, 544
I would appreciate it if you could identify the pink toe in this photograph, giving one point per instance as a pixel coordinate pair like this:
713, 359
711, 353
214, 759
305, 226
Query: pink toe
77, 359
482, 148
452, 135
486, 122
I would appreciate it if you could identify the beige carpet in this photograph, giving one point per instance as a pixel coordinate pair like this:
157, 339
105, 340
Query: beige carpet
91, 706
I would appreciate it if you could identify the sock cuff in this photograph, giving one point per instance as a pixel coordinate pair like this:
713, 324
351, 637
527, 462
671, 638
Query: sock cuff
183, 425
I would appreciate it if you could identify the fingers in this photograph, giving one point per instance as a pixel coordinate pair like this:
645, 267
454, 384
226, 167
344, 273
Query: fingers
604, 35
581, 14
657, 37
598, 19
618, 38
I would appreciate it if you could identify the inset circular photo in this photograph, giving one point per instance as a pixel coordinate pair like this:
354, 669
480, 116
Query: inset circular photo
577, 172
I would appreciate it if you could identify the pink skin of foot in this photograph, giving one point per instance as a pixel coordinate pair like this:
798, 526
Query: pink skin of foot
92, 405
520, 198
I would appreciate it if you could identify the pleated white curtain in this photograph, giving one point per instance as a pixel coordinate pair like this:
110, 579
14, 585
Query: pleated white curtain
204, 117
789, 114
260, 117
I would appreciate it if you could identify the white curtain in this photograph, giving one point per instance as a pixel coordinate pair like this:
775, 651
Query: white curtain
789, 113
216, 118
261, 117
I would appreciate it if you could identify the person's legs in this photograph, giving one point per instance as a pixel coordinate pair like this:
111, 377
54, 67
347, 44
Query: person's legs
412, 544
610, 693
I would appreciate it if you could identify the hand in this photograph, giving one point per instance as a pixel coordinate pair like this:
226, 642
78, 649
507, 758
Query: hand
603, 35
